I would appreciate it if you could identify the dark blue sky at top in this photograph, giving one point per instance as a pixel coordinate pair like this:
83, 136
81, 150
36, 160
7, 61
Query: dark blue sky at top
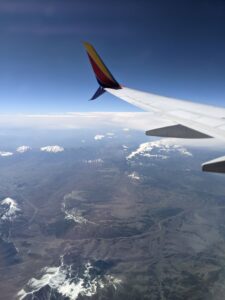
171, 47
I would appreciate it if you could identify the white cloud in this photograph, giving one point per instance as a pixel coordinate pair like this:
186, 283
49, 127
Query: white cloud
4, 153
163, 147
142, 121
23, 149
126, 121
99, 137
53, 149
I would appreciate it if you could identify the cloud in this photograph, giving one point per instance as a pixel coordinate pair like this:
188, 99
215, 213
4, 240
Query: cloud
99, 137
28, 7
163, 147
57, 18
5, 153
110, 133
23, 149
140, 121
53, 149
55, 29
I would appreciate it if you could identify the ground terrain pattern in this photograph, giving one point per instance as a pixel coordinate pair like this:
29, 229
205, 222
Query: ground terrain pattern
162, 236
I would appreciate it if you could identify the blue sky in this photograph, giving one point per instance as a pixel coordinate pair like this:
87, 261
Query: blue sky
175, 48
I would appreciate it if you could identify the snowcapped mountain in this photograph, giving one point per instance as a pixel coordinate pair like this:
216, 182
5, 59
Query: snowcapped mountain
96, 161
23, 149
10, 209
73, 214
134, 176
68, 281
53, 149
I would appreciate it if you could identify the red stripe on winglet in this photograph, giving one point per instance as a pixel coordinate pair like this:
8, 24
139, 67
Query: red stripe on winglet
101, 76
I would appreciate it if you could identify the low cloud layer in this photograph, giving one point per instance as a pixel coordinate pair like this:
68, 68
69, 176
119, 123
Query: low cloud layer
142, 121
125, 121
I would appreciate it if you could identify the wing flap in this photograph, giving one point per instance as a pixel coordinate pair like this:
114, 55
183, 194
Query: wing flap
177, 131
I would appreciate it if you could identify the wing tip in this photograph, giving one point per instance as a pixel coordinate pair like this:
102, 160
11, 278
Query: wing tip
102, 73
87, 45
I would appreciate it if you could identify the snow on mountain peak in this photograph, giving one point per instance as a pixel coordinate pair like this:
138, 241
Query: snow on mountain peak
73, 214
11, 210
134, 176
68, 284
97, 161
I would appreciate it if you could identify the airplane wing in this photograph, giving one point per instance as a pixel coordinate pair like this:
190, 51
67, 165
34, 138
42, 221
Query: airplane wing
187, 119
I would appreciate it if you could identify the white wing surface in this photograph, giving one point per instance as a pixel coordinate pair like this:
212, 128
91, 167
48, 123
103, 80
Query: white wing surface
208, 120
187, 119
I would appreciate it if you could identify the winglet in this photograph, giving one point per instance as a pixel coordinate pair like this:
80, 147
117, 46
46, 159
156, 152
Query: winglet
98, 93
102, 73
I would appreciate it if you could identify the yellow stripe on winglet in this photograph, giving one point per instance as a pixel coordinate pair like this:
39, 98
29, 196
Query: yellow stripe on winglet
94, 55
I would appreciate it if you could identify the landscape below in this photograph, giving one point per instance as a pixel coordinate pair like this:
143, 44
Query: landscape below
109, 215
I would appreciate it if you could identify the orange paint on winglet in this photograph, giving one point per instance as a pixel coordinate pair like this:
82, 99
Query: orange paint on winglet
102, 73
